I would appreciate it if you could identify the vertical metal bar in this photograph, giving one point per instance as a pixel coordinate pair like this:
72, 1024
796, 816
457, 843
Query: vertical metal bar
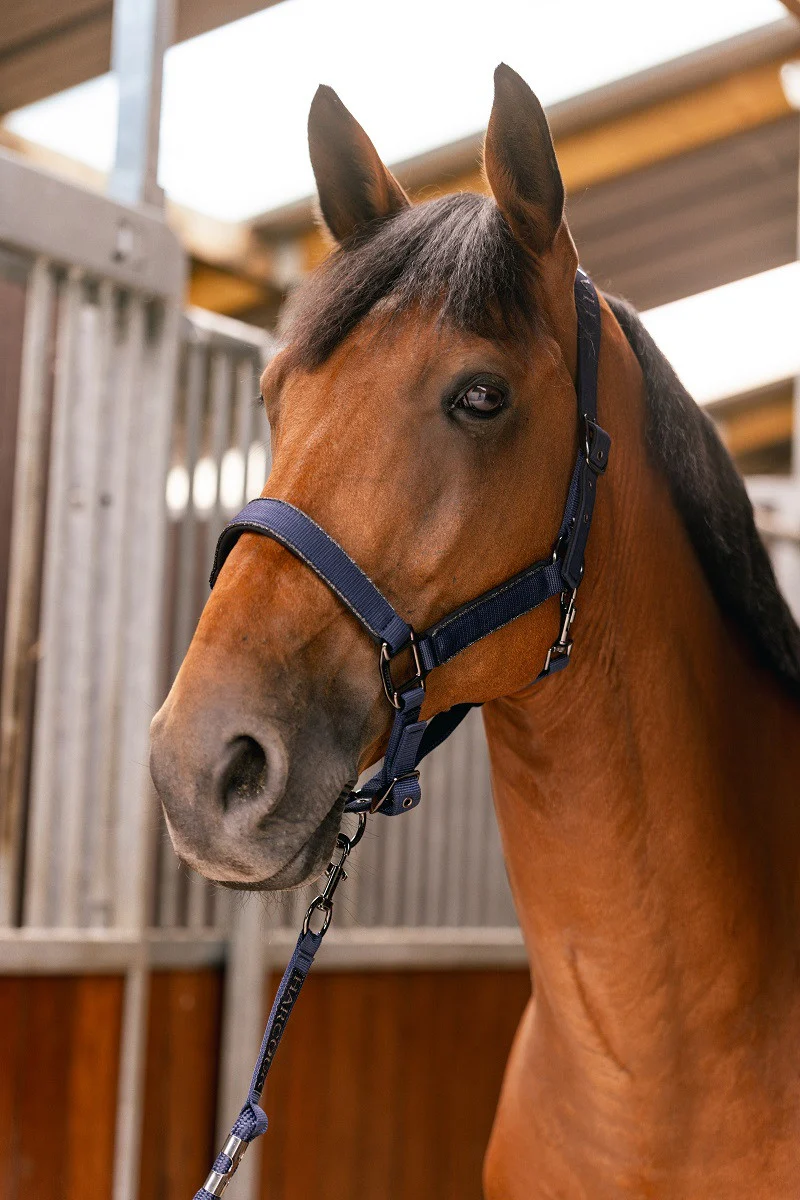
41, 877
30, 476
245, 412
242, 1024
127, 1140
114, 484
221, 372
78, 598
141, 33
137, 699
186, 608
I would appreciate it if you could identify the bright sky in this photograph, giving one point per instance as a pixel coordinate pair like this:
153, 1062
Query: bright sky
735, 338
417, 76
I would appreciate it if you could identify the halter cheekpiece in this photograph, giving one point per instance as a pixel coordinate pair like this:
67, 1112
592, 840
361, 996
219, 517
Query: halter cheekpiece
395, 786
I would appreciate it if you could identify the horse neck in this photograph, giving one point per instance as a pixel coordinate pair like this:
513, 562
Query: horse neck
645, 795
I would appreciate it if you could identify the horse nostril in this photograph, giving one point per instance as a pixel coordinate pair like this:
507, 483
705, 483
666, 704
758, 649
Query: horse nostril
245, 776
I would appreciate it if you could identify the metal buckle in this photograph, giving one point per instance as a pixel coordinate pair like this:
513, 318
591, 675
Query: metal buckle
394, 694
378, 802
562, 646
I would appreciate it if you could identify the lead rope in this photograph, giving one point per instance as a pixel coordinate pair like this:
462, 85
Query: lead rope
252, 1120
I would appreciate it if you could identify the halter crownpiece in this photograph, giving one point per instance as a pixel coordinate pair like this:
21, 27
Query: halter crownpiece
395, 786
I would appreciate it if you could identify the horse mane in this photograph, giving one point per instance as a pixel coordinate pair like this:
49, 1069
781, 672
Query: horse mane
456, 255
713, 503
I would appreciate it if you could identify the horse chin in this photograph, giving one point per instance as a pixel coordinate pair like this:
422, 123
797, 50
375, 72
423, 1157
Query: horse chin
308, 863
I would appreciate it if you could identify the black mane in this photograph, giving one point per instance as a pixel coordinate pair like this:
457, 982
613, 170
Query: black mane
455, 254
713, 503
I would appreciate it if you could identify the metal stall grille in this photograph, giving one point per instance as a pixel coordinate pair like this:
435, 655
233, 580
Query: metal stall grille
101, 291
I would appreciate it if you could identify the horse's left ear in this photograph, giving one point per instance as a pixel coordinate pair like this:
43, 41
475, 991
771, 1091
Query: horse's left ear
354, 186
520, 163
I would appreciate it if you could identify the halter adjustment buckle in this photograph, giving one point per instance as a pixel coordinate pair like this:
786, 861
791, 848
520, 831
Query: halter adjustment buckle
380, 800
394, 694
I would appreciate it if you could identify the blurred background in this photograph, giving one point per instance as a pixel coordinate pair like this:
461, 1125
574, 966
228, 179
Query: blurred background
155, 212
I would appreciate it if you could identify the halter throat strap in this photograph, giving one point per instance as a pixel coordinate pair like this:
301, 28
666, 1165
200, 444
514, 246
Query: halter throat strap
395, 787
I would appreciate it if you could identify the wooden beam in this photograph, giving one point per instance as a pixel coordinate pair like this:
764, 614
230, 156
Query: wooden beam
757, 422
224, 292
660, 131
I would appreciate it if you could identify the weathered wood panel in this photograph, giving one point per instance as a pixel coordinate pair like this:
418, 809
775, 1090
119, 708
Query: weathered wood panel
59, 1051
180, 1083
386, 1084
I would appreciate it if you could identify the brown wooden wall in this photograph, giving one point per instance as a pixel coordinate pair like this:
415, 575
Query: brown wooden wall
59, 1053
59, 1058
180, 1083
384, 1088
385, 1085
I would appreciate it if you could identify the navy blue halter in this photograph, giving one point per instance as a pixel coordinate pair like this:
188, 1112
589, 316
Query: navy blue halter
395, 787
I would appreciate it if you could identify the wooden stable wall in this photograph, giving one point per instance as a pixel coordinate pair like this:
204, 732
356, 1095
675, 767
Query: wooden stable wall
59, 1056
180, 1083
384, 1088
386, 1084
59, 1050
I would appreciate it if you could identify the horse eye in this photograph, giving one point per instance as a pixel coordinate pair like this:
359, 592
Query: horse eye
482, 398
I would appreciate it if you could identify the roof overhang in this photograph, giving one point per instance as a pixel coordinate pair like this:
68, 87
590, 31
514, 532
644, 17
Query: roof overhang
56, 44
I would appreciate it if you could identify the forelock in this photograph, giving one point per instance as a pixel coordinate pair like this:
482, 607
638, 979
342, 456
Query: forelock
455, 255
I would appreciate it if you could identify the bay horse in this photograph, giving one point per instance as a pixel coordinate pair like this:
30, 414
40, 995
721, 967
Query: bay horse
423, 412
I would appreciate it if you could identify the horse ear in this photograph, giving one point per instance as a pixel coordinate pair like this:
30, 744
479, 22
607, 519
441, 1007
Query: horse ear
354, 186
520, 163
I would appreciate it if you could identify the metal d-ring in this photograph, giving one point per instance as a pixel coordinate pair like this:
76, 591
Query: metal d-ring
353, 841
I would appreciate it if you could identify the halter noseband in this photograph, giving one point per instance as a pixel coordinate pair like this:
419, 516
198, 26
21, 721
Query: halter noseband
395, 787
